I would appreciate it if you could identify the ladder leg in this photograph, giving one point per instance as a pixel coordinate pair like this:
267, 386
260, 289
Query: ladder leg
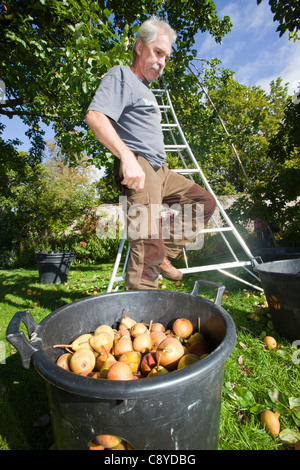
116, 265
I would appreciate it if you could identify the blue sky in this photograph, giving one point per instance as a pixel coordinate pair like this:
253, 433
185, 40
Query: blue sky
253, 51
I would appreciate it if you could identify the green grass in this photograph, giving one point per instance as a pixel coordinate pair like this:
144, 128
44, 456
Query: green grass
255, 378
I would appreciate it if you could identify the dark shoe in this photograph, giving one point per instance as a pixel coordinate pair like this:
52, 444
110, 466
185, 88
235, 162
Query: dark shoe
168, 271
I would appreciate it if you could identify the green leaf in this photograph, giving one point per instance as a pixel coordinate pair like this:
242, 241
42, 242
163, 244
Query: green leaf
257, 408
244, 397
294, 403
289, 436
85, 87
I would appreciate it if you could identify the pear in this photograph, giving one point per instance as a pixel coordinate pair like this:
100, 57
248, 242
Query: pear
132, 359
121, 446
124, 344
182, 327
121, 332
170, 350
148, 362
63, 361
106, 366
187, 360
271, 422
157, 336
102, 340
119, 371
104, 328
106, 440
81, 342
127, 322
100, 360
142, 343
157, 370
197, 344
137, 329
82, 360
96, 447
157, 327
270, 342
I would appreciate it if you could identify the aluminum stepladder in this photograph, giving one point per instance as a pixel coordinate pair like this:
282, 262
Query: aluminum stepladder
179, 145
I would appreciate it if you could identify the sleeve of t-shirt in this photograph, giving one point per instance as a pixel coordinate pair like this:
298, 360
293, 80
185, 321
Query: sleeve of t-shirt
111, 97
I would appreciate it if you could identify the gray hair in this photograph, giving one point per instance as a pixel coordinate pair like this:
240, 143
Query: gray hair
148, 31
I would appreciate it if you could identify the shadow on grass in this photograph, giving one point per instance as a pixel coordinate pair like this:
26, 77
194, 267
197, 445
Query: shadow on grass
21, 288
24, 412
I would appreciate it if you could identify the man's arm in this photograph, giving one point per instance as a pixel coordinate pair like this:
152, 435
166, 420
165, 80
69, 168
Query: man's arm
104, 132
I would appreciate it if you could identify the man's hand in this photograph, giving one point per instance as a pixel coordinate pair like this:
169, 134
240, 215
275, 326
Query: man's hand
133, 174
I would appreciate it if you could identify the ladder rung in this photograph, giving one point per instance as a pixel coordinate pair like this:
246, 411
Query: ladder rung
220, 229
172, 148
186, 171
164, 106
234, 264
166, 126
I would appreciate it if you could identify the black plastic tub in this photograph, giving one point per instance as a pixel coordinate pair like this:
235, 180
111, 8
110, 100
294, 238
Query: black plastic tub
54, 266
277, 253
281, 283
180, 410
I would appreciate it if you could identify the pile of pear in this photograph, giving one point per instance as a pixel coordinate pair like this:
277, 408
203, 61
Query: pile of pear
135, 350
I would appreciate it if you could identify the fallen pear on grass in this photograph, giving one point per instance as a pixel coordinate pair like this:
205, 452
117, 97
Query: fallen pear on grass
271, 422
270, 342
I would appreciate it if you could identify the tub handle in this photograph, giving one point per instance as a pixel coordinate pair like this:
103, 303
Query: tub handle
220, 289
17, 337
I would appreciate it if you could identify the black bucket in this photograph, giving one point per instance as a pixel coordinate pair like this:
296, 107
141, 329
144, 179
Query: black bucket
277, 253
179, 410
54, 266
281, 283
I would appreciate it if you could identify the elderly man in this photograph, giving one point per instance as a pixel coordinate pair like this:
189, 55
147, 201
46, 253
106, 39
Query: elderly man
124, 116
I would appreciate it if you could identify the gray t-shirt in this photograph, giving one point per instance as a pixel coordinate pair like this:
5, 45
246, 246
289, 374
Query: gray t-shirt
133, 110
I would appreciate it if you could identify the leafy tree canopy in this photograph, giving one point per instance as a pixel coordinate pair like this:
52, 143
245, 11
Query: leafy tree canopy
54, 53
287, 13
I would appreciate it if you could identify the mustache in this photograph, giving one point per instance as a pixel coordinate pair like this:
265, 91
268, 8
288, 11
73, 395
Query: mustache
157, 68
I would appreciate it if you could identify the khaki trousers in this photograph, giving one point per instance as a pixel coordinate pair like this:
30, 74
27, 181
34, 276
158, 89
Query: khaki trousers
148, 243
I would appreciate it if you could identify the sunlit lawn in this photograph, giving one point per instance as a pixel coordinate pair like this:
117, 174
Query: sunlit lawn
255, 377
